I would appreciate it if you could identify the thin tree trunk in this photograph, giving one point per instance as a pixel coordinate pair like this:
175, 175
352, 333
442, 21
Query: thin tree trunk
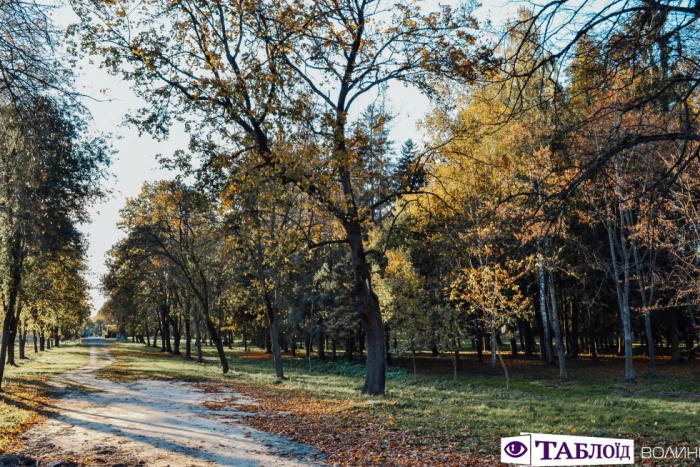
200, 359
22, 342
543, 311
574, 330
8, 321
505, 370
561, 351
623, 296
673, 337
479, 345
494, 347
188, 336
645, 304
176, 335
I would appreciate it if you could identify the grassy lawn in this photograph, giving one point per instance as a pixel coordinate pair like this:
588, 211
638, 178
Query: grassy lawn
469, 414
25, 388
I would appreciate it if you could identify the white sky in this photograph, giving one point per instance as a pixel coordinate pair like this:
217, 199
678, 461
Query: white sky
135, 163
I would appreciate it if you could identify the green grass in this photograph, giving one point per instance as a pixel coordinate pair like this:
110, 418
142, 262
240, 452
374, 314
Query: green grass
661, 409
25, 386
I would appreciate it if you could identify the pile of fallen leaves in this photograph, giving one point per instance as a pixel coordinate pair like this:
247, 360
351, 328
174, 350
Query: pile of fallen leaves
348, 432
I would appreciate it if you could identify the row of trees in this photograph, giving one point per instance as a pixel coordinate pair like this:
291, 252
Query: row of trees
50, 173
553, 193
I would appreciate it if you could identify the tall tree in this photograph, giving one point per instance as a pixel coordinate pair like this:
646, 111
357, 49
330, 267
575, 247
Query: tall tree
262, 72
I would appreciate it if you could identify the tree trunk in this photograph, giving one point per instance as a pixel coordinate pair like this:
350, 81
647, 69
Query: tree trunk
176, 335
22, 342
494, 347
479, 345
148, 334
321, 340
42, 341
214, 336
673, 337
505, 370
645, 303
623, 295
273, 318
592, 346
36, 348
8, 321
543, 311
694, 330
457, 362
11, 341
561, 351
198, 344
574, 330
188, 336
367, 308
526, 332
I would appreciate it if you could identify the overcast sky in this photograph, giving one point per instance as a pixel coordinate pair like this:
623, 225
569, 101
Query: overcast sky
135, 162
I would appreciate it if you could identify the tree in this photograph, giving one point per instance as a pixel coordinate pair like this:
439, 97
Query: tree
491, 293
258, 71
409, 172
28, 55
51, 173
173, 222
402, 293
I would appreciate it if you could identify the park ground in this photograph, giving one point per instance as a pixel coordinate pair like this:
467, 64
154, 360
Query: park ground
59, 398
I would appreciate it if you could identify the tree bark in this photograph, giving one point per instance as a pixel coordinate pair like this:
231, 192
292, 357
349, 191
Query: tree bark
561, 351
621, 272
543, 311
176, 335
16, 279
645, 304
22, 342
367, 308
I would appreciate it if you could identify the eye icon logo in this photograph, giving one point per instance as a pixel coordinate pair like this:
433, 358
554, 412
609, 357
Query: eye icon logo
515, 449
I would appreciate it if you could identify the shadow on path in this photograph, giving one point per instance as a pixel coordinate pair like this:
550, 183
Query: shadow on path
157, 423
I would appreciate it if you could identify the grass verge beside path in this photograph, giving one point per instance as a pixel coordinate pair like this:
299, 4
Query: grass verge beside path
433, 420
25, 388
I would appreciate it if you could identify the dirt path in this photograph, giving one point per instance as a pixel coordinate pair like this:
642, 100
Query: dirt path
154, 423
